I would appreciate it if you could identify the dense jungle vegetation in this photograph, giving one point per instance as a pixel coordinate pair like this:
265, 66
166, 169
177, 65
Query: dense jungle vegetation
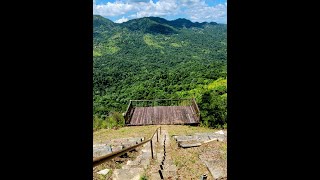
152, 58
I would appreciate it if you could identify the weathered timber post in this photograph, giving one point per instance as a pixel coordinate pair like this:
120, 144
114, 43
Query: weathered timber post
157, 136
151, 148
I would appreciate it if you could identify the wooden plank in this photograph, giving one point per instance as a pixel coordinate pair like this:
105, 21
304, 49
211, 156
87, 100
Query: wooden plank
163, 115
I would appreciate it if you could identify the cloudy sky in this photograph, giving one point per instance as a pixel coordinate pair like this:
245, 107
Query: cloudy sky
194, 10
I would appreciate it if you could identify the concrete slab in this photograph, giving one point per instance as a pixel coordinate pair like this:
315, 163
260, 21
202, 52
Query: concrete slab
216, 170
189, 145
101, 151
117, 148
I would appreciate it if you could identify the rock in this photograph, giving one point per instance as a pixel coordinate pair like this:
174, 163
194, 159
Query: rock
219, 132
104, 172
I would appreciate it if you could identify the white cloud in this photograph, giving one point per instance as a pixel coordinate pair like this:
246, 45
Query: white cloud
160, 8
136, 0
191, 3
113, 9
121, 20
195, 10
217, 13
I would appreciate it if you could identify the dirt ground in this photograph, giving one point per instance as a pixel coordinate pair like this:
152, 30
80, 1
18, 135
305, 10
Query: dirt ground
189, 165
115, 163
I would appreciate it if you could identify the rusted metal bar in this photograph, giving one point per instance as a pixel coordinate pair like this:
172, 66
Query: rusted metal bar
129, 106
102, 159
154, 133
151, 148
128, 113
99, 160
194, 100
195, 107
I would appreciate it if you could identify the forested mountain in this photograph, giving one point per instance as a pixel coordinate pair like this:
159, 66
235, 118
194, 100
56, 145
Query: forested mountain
153, 58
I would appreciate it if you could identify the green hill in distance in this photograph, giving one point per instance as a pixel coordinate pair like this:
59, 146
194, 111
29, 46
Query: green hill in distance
153, 58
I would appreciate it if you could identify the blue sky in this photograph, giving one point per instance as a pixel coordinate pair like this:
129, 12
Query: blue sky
194, 10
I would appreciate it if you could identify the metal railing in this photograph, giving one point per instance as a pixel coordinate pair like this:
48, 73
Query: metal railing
160, 102
128, 113
99, 160
196, 108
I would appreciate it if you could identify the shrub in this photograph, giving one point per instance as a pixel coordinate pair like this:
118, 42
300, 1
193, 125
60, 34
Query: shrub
213, 109
98, 123
115, 119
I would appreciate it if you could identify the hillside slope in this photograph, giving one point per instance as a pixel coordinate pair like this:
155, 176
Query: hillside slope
153, 58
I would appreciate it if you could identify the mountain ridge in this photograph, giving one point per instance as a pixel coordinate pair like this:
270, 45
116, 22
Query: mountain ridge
152, 17
151, 24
